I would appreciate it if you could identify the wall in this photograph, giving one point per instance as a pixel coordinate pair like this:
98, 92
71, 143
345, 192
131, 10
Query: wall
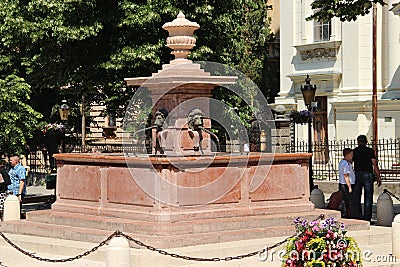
354, 118
345, 77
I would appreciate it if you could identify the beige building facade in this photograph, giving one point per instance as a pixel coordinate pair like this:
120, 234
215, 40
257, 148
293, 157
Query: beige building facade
338, 57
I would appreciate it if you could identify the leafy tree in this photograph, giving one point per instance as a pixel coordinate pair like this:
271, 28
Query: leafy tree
17, 118
345, 10
87, 47
254, 36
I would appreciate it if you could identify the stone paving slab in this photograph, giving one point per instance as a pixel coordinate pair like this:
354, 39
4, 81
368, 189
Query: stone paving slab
376, 242
12, 258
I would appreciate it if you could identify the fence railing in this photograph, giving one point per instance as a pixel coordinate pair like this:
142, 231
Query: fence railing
39, 163
326, 157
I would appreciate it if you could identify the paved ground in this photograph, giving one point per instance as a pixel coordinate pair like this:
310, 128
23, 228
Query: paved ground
11, 258
376, 243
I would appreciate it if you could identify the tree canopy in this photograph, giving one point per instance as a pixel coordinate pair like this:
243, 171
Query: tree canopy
69, 48
345, 10
17, 118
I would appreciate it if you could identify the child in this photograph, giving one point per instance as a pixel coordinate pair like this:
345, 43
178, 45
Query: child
347, 180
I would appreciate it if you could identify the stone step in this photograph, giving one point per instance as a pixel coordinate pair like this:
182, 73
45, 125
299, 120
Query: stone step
51, 230
367, 240
13, 258
95, 229
376, 235
144, 257
355, 225
174, 240
141, 257
42, 246
163, 228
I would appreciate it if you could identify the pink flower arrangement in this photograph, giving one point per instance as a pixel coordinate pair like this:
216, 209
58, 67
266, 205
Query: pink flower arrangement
301, 116
53, 127
319, 243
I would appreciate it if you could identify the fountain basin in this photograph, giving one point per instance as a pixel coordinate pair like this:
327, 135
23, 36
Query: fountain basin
96, 195
103, 185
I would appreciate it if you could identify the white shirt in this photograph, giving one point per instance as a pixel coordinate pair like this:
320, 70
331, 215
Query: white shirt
346, 168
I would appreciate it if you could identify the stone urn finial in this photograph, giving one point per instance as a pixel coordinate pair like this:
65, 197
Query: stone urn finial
181, 39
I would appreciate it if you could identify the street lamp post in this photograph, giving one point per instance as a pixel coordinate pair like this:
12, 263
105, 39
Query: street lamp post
308, 92
64, 111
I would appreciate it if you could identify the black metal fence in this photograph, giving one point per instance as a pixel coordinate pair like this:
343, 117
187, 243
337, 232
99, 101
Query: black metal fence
326, 157
37, 160
111, 148
39, 164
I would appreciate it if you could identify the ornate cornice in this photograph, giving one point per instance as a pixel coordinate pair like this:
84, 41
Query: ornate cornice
329, 74
365, 105
318, 51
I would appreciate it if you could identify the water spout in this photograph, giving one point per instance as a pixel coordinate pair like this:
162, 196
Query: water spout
213, 135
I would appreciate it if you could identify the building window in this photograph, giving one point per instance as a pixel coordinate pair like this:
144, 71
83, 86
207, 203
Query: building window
322, 31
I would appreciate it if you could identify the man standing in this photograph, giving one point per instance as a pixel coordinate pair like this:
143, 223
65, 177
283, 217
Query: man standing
365, 165
17, 174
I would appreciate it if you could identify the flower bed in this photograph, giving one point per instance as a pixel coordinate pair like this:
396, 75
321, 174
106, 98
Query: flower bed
321, 243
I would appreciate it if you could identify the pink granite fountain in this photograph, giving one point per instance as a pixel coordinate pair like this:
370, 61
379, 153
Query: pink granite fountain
171, 199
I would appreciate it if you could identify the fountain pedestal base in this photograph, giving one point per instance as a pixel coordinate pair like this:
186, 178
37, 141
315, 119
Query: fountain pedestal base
96, 195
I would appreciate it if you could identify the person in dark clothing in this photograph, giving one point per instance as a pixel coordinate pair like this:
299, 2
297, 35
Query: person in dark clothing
365, 166
4, 177
4, 182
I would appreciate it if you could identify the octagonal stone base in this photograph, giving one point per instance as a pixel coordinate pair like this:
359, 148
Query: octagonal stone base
98, 194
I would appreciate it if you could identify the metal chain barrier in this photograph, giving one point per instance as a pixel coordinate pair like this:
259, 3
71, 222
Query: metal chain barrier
239, 257
141, 244
174, 255
30, 254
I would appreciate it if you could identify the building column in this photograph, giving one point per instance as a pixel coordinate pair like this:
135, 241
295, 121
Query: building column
393, 88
